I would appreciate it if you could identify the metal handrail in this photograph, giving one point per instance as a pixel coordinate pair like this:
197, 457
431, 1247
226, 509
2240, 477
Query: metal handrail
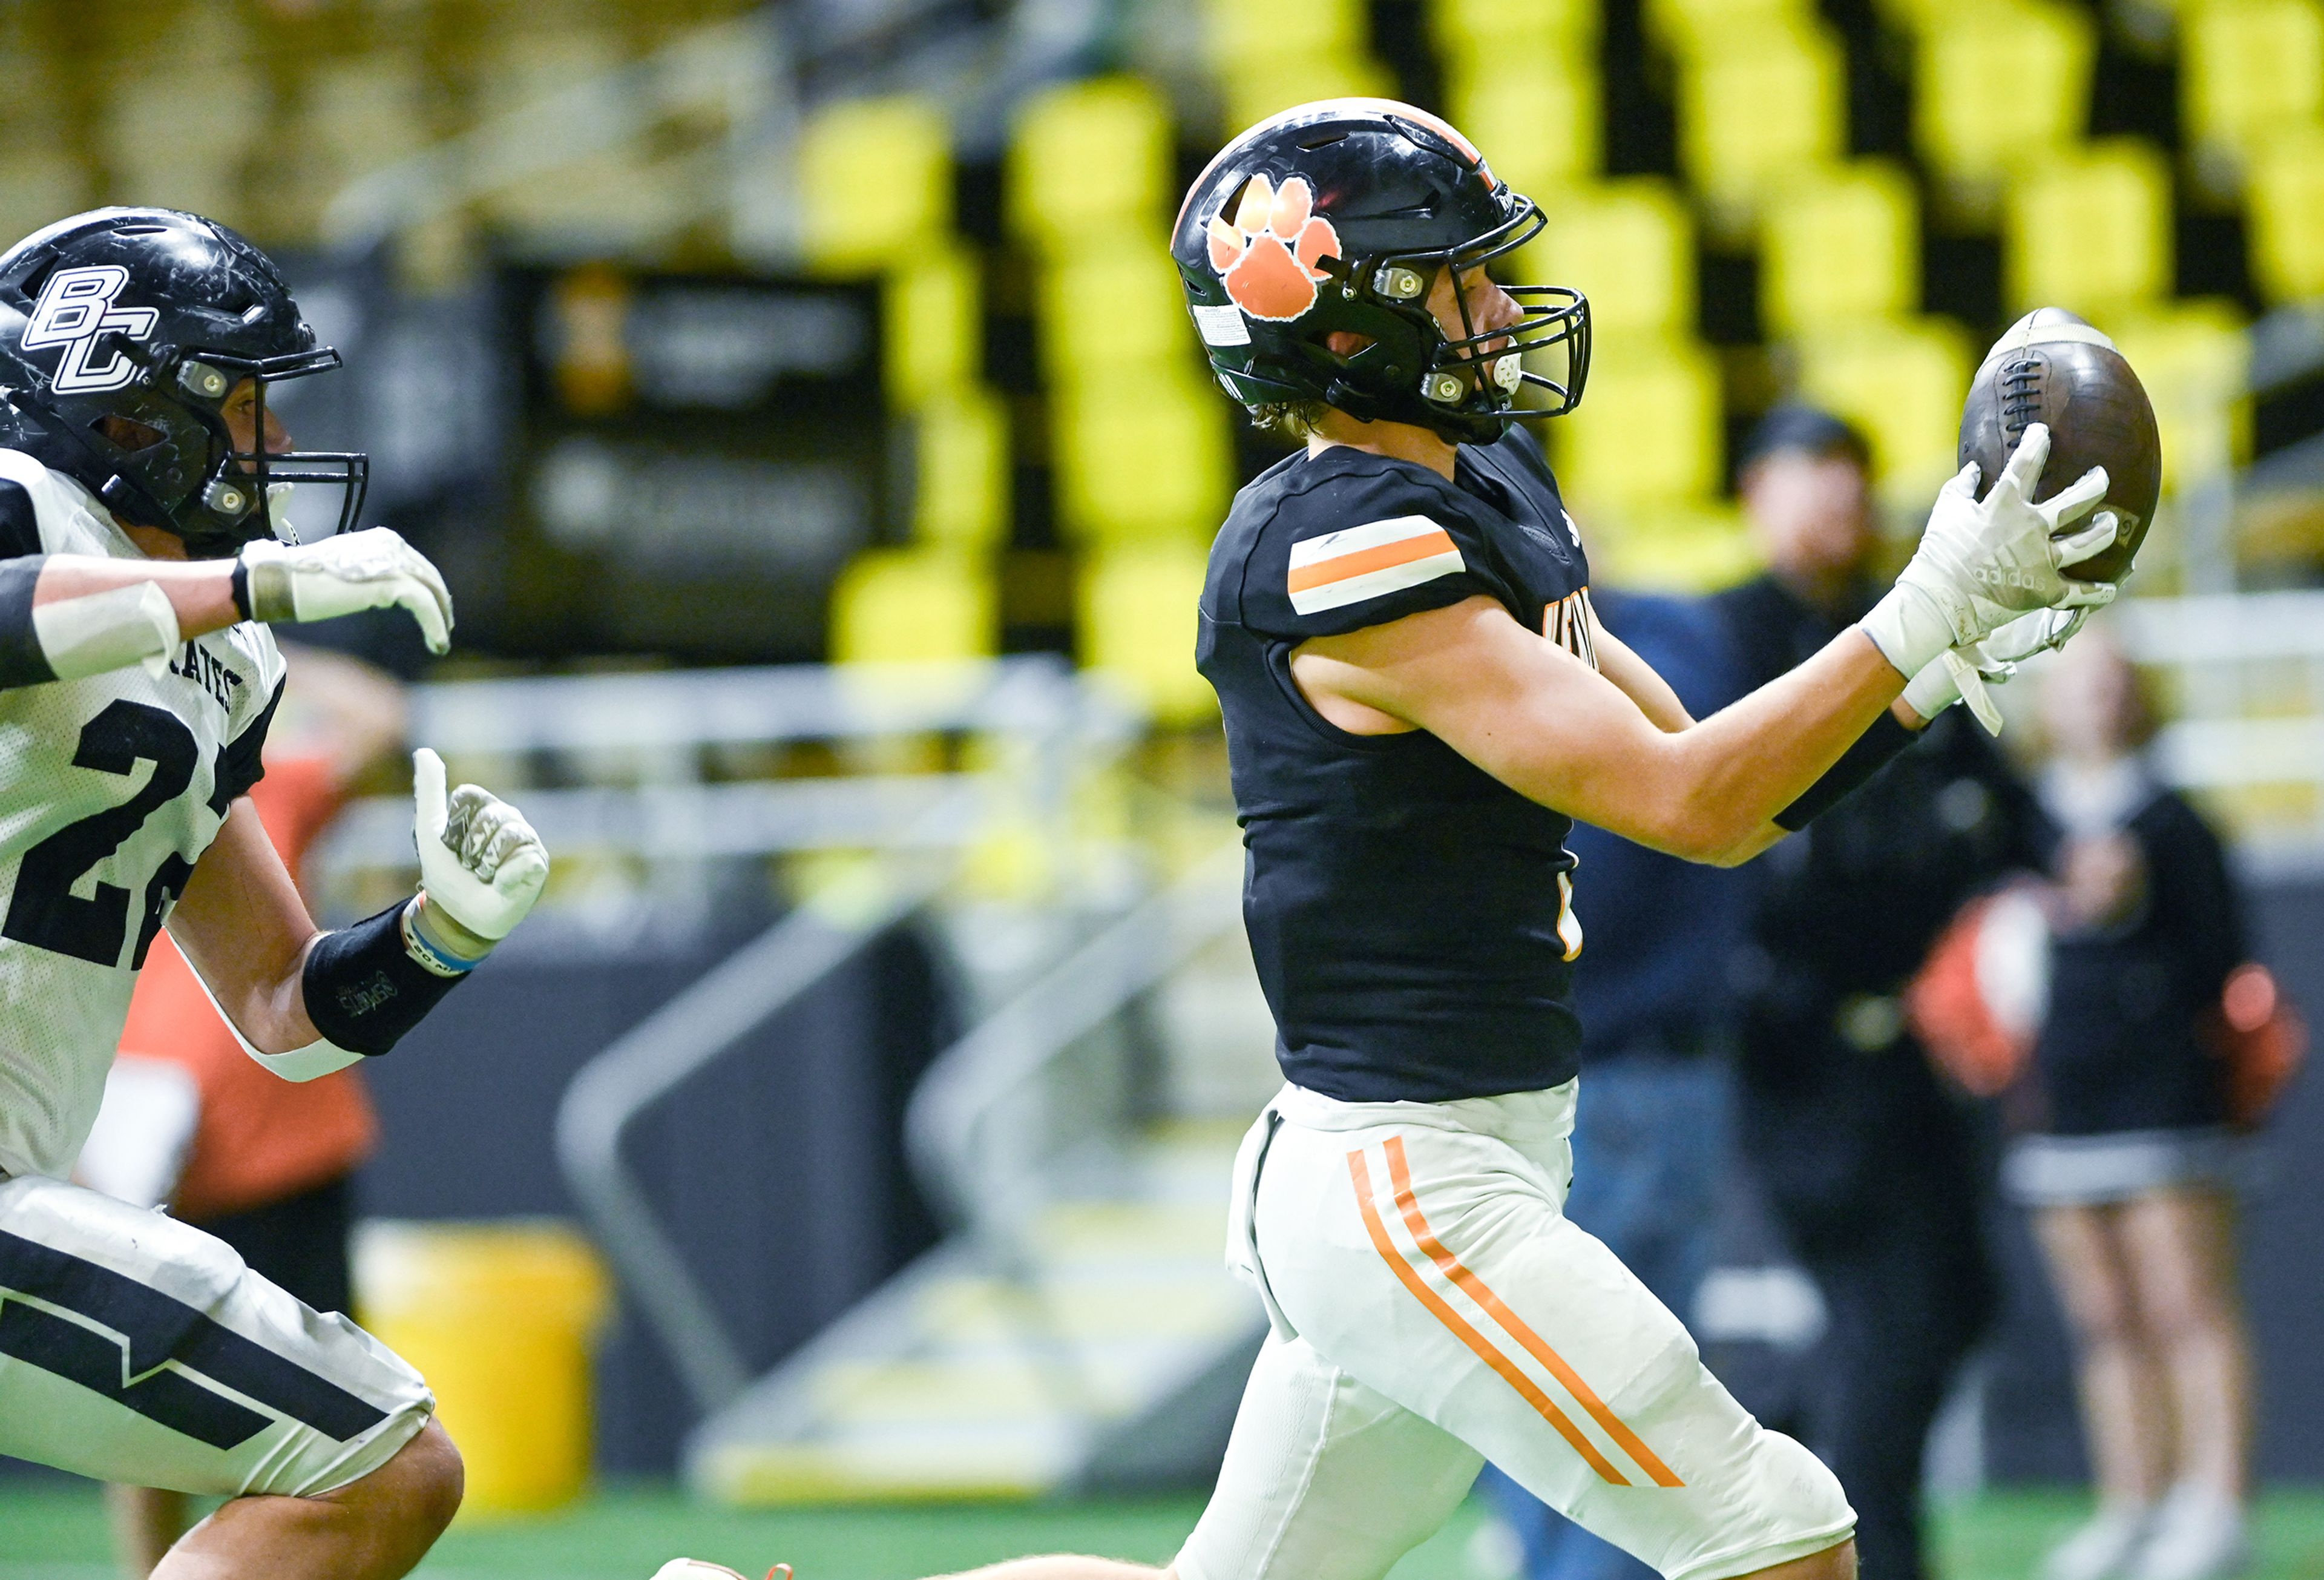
969, 1082
617, 1087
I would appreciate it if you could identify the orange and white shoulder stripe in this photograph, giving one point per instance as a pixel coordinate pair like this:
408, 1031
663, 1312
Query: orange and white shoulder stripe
1368, 561
1476, 1314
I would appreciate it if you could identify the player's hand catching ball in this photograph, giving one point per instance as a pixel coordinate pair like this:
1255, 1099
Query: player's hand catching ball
371, 569
481, 866
1961, 674
1984, 562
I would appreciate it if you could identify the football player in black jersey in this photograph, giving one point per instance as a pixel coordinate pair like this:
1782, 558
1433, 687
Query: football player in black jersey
1418, 700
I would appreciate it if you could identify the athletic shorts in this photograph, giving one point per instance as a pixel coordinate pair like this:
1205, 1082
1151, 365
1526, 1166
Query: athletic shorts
1433, 1308
134, 1348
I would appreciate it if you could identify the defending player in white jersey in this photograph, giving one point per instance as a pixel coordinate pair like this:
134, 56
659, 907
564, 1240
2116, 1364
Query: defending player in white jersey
141, 475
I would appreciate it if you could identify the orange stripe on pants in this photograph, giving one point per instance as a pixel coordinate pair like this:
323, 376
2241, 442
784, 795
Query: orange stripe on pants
1475, 1288
1476, 1341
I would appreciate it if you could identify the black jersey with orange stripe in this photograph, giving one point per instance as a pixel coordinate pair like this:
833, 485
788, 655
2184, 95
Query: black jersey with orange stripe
1410, 915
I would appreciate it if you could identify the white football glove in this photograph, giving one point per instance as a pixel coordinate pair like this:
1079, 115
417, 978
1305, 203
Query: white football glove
1982, 563
1961, 674
481, 866
371, 569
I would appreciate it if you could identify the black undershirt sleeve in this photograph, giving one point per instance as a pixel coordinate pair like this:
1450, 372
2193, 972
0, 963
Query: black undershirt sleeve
1861, 762
21, 662
363, 990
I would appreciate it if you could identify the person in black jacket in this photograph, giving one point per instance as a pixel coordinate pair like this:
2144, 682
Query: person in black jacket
1870, 1168
2129, 1170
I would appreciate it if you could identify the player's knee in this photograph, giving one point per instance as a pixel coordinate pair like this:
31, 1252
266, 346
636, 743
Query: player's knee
428, 1480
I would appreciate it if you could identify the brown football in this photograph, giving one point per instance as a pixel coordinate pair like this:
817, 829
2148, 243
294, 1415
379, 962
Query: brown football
2054, 368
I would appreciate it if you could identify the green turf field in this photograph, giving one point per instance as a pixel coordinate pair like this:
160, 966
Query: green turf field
58, 1533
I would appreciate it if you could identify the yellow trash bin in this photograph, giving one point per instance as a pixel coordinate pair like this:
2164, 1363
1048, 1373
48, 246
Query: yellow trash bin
500, 1317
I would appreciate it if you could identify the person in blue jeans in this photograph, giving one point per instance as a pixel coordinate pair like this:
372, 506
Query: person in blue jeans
1651, 1135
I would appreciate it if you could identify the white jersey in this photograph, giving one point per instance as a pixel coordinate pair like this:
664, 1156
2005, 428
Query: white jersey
111, 788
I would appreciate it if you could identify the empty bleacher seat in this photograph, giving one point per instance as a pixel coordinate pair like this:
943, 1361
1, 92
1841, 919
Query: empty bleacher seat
2089, 230
874, 182
961, 469
1839, 244
2284, 186
912, 606
1629, 245
1534, 116
1999, 84
1270, 57
1689, 29
1111, 308
2194, 357
1901, 380
2248, 67
933, 319
1469, 33
1090, 157
1647, 433
1689, 548
1141, 461
1135, 609
1761, 101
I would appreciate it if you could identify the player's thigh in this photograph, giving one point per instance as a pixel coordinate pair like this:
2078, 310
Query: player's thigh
1324, 1479
135, 1348
1436, 1268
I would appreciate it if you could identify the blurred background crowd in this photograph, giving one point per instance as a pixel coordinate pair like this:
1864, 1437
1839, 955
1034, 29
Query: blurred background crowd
800, 401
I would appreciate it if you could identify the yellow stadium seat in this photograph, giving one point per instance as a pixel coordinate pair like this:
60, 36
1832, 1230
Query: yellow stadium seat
2194, 357
1902, 382
2248, 67
875, 183
1535, 118
1691, 549
1646, 433
1689, 28
1141, 461
914, 606
2001, 83
1839, 244
1475, 32
2089, 230
1111, 308
934, 313
38, 187
1758, 104
961, 470
1088, 158
2285, 190
1629, 245
1252, 92
1239, 36
1135, 626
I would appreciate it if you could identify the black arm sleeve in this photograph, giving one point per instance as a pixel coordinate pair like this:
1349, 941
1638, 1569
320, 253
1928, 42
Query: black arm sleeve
21, 662
1871, 752
364, 989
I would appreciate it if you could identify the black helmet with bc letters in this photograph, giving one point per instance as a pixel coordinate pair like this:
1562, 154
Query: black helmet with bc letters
154, 318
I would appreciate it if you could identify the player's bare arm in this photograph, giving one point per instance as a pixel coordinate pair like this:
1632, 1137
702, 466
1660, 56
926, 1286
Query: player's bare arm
1635, 678
1547, 725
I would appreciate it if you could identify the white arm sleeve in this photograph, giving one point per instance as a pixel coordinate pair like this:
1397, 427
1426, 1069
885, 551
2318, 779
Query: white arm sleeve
101, 632
318, 1058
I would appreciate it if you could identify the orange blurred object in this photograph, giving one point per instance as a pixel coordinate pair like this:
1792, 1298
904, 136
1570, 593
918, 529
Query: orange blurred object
2260, 1035
1949, 1011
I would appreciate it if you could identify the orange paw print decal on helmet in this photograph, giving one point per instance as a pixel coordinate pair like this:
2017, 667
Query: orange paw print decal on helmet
1269, 255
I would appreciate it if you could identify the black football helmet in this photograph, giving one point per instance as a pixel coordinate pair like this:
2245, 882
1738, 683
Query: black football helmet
154, 317
1337, 214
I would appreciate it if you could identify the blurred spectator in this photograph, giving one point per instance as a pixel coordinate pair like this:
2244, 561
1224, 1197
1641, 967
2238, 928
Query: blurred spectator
192, 1120
1871, 1168
1652, 1131
2128, 1173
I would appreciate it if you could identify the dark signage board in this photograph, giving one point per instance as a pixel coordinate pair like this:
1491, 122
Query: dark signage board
695, 458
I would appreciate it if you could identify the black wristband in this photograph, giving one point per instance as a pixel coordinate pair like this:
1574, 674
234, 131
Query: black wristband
364, 989
241, 584
22, 660
1861, 762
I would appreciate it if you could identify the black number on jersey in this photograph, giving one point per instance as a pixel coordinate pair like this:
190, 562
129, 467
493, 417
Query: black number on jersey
44, 911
